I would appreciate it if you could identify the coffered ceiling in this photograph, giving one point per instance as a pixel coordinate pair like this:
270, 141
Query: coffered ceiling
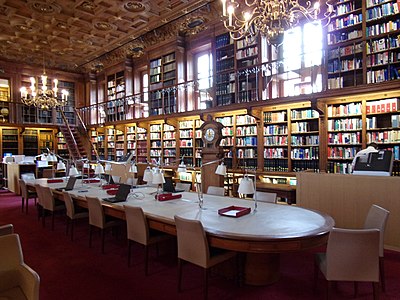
83, 35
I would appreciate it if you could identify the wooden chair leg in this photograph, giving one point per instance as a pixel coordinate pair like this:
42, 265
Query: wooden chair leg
52, 220
129, 252
355, 289
382, 273
72, 229
205, 284
90, 236
22, 204
26, 205
179, 274
102, 240
146, 260
375, 286
329, 289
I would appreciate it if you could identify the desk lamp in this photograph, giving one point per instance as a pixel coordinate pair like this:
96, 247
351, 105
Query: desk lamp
99, 169
158, 179
73, 171
247, 186
220, 170
133, 169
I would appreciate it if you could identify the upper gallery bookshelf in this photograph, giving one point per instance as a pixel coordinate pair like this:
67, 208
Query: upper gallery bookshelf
115, 96
163, 74
351, 40
9, 141
225, 70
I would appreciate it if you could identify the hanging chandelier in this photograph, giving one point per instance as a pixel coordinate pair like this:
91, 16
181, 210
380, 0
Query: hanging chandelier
41, 96
270, 18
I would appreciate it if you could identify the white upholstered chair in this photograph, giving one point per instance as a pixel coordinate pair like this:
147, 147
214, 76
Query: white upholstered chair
6, 229
351, 255
97, 218
50, 205
26, 194
265, 197
216, 190
183, 186
377, 218
72, 213
193, 247
139, 231
17, 280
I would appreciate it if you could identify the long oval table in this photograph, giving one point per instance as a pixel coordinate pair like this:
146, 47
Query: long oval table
262, 235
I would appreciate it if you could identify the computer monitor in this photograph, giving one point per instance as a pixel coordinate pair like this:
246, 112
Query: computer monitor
377, 164
126, 158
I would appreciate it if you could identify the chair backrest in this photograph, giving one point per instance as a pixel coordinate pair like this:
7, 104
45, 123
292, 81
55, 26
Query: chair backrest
6, 229
183, 186
11, 260
377, 218
353, 255
96, 212
69, 205
216, 190
28, 176
131, 181
192, 241
39, 193
265, 197
23, 188
10, 252
47, 198
136, 224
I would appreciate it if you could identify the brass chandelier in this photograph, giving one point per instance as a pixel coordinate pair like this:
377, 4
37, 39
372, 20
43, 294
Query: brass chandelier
41, 96
270, 18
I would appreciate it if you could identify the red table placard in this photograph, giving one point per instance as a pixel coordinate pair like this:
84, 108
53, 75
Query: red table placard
234, 211
112, 191
110, 186
54, 180
167, 196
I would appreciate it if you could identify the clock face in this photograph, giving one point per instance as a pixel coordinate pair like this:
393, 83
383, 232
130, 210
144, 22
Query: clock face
209, 134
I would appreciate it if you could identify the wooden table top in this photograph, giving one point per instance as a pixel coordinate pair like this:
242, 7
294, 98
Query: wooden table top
272, 228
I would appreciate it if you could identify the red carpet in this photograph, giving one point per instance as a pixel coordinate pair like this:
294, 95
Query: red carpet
72, 270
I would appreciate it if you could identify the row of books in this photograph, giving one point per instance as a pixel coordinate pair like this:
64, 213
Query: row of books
344, 65
382, 106
245, 119
301, 165
305, 140
226, 88
246, 141
339, 168
276, 165
270, 117
302, 127
223, 40
344, 8
376, 76
275, 153
345, 51
383, 44
344, 138
387, 136
344, 124
338, 37
342, 152
376, 2
344, 110
378, 29
275, 129
244, 53
246, 153
304, 114
386, 9
169, 144
275, 140
382, 58
350, 20
247, 130
305, 153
